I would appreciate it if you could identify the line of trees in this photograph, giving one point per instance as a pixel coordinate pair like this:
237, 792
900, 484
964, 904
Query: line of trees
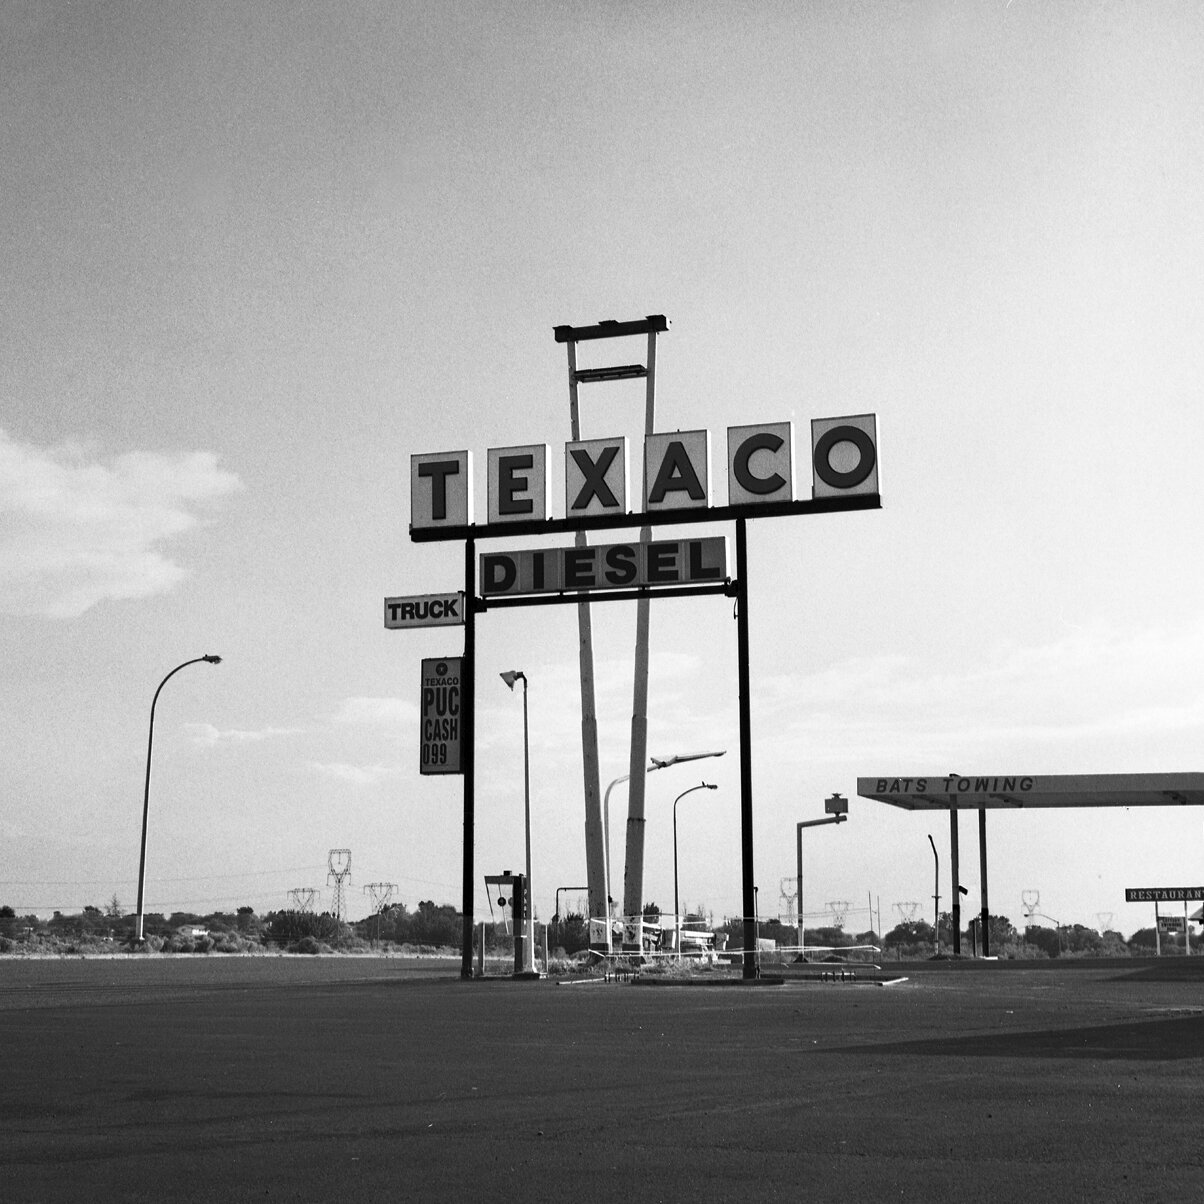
432, 926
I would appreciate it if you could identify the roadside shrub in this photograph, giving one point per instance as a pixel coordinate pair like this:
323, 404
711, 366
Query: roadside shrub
232, 942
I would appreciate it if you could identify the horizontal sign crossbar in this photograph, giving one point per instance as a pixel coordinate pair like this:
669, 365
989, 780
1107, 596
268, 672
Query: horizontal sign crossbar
610, 595
612, 329
618, 522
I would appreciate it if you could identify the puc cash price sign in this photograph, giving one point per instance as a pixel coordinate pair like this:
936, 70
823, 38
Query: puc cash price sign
440, 749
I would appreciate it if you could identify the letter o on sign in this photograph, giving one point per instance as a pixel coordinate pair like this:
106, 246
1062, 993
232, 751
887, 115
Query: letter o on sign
847, 475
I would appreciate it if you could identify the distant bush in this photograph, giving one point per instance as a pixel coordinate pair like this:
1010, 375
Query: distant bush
308, 944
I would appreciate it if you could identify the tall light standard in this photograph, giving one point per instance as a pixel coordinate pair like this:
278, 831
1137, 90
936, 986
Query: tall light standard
676, 902
657, 763
510, 677
140, 921
936, 900
837, 809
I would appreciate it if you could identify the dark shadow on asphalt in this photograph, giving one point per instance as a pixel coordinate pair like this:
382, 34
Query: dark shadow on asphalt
1157, 1040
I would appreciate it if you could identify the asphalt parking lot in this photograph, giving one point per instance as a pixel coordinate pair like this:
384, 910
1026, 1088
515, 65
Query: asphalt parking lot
293, 1078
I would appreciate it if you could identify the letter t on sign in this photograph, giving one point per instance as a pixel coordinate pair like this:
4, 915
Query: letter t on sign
441, 489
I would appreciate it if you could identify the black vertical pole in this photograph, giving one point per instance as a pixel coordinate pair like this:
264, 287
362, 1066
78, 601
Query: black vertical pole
467, 710
746, 819
957, 884
982, 878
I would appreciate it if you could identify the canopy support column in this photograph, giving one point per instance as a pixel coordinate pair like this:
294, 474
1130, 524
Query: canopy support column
982, 878
957, 884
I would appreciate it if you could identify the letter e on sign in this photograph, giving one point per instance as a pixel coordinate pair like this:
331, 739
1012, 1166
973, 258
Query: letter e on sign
760, 463
518, 482
844, 456
441, 489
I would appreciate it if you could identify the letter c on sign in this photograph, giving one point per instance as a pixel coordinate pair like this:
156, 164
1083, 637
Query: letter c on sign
764, 441
854, 476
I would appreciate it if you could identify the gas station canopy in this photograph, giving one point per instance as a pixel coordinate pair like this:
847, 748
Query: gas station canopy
944, 792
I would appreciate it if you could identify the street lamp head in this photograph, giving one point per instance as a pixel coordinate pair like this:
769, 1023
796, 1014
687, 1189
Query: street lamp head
678, 758
837, 804
511, 676
213, 660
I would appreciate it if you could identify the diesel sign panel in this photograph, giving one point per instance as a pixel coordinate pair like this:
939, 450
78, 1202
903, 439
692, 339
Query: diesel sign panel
604, 566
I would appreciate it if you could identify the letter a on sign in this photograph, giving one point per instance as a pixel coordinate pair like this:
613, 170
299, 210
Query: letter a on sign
844, 456
677, 470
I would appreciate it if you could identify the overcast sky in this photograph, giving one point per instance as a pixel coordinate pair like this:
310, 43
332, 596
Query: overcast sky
257, 255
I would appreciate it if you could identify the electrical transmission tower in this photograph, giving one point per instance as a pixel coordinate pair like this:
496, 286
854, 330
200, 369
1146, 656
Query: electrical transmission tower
339, 866
788, 915
382, 893
302, 897
839, 909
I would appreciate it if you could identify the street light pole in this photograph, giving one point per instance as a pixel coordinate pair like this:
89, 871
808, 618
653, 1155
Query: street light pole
936, 900
657, 763
139, 922
837, 808
510, 677
676, 903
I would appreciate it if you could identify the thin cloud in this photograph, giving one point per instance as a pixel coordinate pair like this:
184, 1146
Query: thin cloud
76, 530
208, 736
355, 775
373, 711
1092, 687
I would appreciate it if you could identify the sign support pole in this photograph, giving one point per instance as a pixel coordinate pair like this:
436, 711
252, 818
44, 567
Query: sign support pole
633, 876
956, 911
467, 714
982, 877
596, 868
749, 905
